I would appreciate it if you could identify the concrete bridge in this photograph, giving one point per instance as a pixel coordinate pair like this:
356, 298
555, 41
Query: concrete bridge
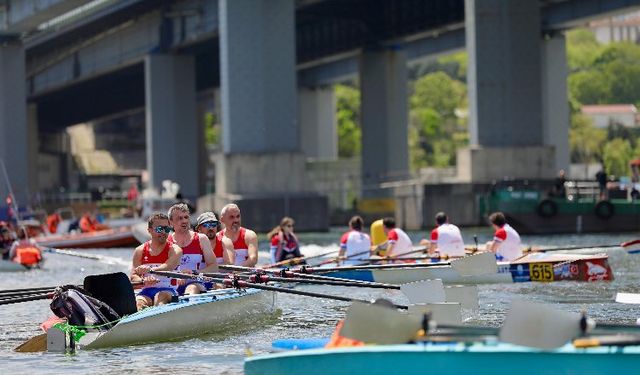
270, 62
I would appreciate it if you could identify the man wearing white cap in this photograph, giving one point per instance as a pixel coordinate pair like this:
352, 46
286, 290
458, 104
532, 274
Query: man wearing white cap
207, 224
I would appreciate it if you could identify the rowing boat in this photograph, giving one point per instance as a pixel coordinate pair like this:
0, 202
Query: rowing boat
107, 238
447, 358
544, 267
217, 311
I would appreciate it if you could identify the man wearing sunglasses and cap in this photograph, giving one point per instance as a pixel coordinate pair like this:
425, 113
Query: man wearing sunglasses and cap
197, 254
157, 254
207, 224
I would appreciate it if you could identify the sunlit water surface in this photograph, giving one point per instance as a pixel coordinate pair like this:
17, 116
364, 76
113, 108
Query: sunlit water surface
301, 316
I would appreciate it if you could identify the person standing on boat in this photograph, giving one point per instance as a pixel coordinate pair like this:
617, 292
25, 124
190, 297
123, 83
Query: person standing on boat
506, 241
355, 246
207, 224
245, 241
398, 243
284, 243
197, 254
157, 254
445, 238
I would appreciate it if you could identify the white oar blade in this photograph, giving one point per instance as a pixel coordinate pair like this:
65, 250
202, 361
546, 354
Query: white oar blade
631, 298
424, 291
476, 264
375, 324
539, 326
466, 295
441, 313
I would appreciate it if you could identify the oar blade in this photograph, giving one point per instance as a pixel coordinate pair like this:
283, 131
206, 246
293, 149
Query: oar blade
424, 291
631, 247
466, 295
630, 298
379, 324
35, 344
476, 264
539, 326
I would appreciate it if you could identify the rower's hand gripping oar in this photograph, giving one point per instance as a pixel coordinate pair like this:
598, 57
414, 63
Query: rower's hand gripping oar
241, 284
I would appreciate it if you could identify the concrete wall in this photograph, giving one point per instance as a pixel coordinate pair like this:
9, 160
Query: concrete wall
486, 164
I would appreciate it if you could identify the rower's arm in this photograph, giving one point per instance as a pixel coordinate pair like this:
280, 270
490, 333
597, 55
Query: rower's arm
137, 261
211, 264
228, 253
251, 240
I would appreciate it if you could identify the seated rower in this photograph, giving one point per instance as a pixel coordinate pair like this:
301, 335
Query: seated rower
88, 223
506, 241
197, 254
207, 224
445, 238
284, 243
159, 255
398, 243
355, 246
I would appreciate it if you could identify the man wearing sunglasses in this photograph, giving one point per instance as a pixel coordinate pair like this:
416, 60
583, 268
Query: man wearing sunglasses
245, 241
159, 255
197, 254
207, 224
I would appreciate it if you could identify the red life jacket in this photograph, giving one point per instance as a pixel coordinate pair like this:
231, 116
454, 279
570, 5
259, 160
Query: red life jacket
28, 255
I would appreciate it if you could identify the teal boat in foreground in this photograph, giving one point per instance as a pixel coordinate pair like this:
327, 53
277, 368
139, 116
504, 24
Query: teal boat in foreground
449, 358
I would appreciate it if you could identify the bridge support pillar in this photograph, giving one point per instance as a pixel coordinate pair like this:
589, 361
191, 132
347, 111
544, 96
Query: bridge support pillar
174, 137
505, 93
317, 119
383, 85
261, 141
555, 100
17, 148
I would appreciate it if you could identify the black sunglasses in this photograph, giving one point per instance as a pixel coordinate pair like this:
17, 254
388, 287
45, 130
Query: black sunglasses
163, 228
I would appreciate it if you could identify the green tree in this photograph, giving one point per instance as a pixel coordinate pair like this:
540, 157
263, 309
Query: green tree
211, 129
348, 117
585, 140
616, 155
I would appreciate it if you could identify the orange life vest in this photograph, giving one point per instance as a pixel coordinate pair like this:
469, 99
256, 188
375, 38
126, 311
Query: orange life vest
338, 341
28, 255
52, 222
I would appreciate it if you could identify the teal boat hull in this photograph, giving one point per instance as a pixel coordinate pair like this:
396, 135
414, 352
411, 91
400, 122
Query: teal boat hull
457, 358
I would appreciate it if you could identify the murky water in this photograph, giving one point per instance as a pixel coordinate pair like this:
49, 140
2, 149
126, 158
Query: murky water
301, 316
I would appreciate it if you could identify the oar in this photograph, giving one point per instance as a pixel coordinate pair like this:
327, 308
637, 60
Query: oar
477, 264
631, 298
25, 293
25, 290
625, 245
267, 278
298, 260
632, 247
36, 297
609, 340
102, 258
243, 284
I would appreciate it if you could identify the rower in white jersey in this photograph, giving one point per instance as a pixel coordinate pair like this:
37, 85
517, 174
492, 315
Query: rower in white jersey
245, 241
446, 238
355, 246
506, 241
197, 254
207, 224
398, 243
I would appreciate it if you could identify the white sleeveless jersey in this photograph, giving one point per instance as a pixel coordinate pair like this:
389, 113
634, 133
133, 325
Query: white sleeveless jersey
448, 240
402, 243
510, 246
355, 242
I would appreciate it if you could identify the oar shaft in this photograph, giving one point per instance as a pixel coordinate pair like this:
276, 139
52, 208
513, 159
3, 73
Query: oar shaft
243, 284
298, 260
376, 267
25, 293
25, 299
266, 278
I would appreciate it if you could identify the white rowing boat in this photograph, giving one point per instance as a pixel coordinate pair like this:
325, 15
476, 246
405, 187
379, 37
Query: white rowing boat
216, 311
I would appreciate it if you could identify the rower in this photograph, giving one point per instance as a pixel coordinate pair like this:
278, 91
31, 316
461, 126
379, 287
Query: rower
284, 243
197, 253
506, 241
207, 224
398, 242
157, 254
355, 246
245, 241
445, 238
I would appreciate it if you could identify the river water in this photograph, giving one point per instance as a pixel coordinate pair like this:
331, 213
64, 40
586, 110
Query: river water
301, 316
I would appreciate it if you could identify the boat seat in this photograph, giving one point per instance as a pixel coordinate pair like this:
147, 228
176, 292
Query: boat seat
114, 289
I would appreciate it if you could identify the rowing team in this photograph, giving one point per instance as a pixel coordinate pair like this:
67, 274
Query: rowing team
189, 251
445, 241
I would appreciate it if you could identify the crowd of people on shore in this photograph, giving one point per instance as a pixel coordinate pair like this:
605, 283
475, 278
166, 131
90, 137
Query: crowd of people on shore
177, 246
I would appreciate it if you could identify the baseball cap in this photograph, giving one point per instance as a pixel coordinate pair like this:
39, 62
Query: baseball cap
206, 217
